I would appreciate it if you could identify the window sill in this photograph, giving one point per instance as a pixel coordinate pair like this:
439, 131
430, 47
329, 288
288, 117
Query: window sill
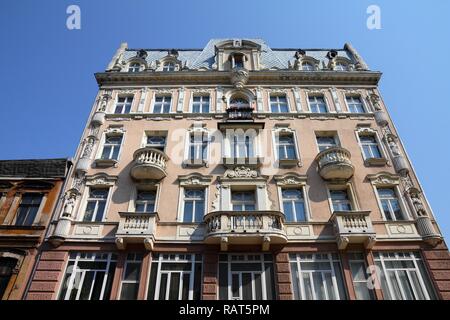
289, 162
197, 163
375, 162
105, 163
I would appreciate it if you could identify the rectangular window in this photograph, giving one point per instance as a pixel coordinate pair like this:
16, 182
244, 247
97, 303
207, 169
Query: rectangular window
243, 200
88, 276
293, 205
200, 104
390, 204
162, 104
360, 277
317, 276
355, 104
198, 147
286, 147
242, 146
96, 204
340, 200
7, 266
156, 142
131, 277
28, 209
123, 105
370, 147
111, 147
246, 277
317, 104
326, 142
278, 104
175, 277
145, 201
194, 205
403, 276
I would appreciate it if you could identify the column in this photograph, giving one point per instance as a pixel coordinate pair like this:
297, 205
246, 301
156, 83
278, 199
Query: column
283, 277
210, 279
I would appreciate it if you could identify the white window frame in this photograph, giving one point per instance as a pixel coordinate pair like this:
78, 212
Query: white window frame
302, 188
159, 95
111, 151
294, 181
315, 95
143, 187
255, 203
350, 192
132, 96
187, 144
86, 201
276, 94
392, 182
332, 271
382, 259
124, 269
130, 65
333, 134
177, 259
374, 133
72, 276
180, 217
110, 131
200, 94
285, 131
150, 133
355, 96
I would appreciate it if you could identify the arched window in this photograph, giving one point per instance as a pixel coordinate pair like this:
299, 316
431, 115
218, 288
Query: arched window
169, 66
134, 67
307, 66
238, 103
341, 66
237, 60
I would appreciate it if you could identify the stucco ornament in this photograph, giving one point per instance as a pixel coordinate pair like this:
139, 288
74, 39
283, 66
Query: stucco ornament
88, 147
240, 172
418, 205
375, 99
239, 77
103, 102
69, 204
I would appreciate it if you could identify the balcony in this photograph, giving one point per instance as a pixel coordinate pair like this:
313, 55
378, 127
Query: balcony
334, 164
245, 228
353, 227
239, 113
136, 228
149, 163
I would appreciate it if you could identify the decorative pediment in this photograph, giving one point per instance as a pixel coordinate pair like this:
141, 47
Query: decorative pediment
384, 179
195, 179
241, 172
101, 179
290, 179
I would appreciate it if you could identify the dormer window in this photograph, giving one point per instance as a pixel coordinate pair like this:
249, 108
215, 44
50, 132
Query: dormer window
134, 67
237, 60
307, 66
341, 66
169, 66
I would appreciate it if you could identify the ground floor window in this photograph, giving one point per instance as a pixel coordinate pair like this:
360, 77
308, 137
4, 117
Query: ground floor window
88, 276
317, 276
403, 276
130, 277
175, 277
360, 277
246, 277
7, 266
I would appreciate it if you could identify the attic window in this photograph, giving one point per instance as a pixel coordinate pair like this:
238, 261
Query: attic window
169, 66
237, 60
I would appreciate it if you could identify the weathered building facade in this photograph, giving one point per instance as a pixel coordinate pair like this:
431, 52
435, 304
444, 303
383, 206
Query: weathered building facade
238, 171
29, 192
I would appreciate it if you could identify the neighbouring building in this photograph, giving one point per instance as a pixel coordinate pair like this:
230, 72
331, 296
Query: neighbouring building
29, 192
239, 171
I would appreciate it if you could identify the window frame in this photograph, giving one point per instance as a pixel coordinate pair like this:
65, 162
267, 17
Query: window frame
277, 95
360, 98
132, 66
244, 202
202, 95
124, 270
324, 134
164, 96
126, 96
350, 193
181, 204
315, 96
38, 212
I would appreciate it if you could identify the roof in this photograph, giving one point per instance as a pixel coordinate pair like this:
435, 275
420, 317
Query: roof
205, 58
34, 168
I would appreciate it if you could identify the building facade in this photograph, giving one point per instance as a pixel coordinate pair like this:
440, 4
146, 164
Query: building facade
238, 171
29, 192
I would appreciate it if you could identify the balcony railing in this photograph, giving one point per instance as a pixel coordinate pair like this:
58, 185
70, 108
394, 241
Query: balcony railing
353, 227
334, 164
149, 163
245, 227
239, 112
136, 228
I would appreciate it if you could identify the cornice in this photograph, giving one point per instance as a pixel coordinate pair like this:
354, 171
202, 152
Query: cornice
255, 77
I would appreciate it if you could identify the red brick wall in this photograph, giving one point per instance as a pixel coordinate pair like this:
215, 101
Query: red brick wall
283, 277
210, 282
48, 273
438, 261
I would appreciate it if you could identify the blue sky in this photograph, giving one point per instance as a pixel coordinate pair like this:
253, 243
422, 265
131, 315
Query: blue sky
47, 84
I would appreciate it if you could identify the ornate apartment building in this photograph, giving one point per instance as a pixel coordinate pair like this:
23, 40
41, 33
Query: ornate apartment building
29, 192
238, 171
